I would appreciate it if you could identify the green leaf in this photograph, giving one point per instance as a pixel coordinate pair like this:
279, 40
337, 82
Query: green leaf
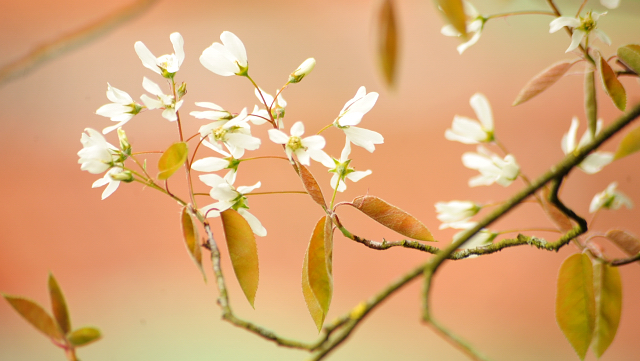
392, 217
608, 293
612, 85
575, 302
191, 238
590, 102
387, 42
629, 144
543, 80
629, 55
317, 279
626, 241
59, 306
172, 159
243, 252
311, 186
84, 336
453, 12
35, 315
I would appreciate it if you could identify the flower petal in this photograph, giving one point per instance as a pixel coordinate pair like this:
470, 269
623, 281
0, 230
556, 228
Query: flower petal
481, 106
178, 47
235, 47
254, 223
364, 138
277, 136
148, 59
210, 164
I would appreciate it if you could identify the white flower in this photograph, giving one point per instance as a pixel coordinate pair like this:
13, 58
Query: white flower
162, 101
121, 110
582, 28
235, 134
610, 198
595, 161
166, 65
492, 168
482, 238
277, 105
228, 58
352, 114
229, 197
610, 4
303, 148
111, 183
341, 170
474, 23
455, 214
213, 164
216, 112
470, 131
303, 70
97, 155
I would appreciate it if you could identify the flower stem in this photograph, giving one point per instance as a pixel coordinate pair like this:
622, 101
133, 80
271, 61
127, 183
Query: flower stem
535, 12
325, 128
264, 157
278, 192
272, 121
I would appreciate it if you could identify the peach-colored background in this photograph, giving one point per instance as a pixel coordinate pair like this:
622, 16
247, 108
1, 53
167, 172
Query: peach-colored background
122, 264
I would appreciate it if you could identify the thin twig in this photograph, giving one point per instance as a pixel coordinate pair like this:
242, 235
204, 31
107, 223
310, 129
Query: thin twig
223, 301
73, 40
456, 341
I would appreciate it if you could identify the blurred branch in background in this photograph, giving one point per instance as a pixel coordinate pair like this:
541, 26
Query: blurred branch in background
70, 41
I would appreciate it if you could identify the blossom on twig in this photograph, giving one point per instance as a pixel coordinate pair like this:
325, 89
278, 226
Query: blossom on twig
595, 161
470, 131
610, 198
351, 115
492, 168
165, 65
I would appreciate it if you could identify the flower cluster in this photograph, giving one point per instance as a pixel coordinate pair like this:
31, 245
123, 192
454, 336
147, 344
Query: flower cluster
228, 133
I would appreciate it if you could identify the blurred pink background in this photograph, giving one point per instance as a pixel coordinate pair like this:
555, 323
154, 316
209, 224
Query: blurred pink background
122, 264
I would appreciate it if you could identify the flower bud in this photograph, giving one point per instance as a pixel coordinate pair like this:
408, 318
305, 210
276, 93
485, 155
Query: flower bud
124, 176
124, 142
304, 69
182, 90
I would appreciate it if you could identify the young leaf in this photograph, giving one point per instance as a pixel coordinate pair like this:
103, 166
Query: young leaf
84, 336
608, 292
560, 219
453, 11
627, 242
311, 186
317, 280
243, 252
35, 315
612, 85
575, 302
630, 56
191, 238
590, 102
59, 306
392, 217
387, 42
172, 159
543, 80
629, 144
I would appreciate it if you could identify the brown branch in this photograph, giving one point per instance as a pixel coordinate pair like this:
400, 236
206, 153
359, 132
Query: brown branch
70, 41
624, 261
